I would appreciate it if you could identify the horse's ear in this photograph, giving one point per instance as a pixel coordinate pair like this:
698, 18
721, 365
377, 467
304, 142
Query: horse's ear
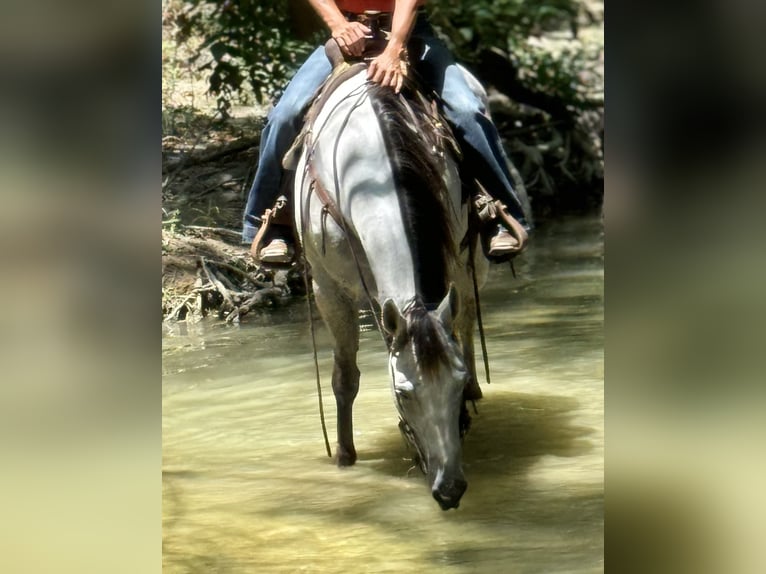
392, 317
448, 308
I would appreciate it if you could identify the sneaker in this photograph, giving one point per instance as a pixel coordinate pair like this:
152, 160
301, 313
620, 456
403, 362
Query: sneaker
502, 243
278, 251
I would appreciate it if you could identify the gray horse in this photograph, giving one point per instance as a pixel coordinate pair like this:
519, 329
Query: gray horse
392, 236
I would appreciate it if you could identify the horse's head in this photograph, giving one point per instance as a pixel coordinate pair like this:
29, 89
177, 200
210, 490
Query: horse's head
428, 376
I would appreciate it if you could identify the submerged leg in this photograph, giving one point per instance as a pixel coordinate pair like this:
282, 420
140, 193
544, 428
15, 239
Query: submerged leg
341, 316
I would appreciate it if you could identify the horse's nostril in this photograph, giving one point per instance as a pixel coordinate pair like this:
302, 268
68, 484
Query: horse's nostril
449, 493
459, 487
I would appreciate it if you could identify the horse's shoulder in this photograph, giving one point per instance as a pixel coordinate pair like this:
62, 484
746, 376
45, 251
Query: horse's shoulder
340, 74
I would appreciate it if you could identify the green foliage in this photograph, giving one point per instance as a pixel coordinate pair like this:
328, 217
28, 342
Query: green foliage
561, 68
170, 220
247, 48
565, 70
471, 26
250, 46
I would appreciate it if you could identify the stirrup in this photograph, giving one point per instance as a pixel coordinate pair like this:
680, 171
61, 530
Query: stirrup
278, 250
501, 245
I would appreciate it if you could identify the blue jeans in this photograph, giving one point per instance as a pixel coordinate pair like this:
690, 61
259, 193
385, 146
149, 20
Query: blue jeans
484, 157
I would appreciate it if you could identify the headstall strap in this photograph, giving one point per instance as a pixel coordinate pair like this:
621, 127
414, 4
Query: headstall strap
406, 431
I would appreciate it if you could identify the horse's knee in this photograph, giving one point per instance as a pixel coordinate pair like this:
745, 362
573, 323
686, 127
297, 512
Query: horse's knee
345, 381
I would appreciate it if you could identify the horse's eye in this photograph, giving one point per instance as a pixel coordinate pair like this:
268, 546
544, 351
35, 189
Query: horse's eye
405, 391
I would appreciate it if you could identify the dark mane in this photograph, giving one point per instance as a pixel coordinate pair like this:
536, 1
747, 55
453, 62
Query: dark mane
429, 349
422, 194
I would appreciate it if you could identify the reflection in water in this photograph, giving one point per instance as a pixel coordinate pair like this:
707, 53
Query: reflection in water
247, 486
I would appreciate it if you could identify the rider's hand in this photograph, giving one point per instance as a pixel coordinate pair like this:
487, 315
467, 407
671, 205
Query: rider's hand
350, 37
388, 69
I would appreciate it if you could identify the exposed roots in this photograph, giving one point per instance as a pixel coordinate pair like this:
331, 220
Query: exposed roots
203, 275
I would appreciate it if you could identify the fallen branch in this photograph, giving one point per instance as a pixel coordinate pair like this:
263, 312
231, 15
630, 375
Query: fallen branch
174, 313
218, 230
270, 295
245, 274
200, 158
224, 279
220, 287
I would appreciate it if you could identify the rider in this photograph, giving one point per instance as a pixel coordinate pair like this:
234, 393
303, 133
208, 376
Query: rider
483, 154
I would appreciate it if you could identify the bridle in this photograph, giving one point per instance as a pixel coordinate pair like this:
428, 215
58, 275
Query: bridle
464, 419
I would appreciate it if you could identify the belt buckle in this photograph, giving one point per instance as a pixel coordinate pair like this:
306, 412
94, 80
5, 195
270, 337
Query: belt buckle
371, 19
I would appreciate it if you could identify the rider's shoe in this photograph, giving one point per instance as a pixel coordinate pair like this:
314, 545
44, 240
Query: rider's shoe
275, 233
277, 251
502, 243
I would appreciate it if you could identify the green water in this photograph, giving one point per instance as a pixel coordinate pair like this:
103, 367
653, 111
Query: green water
247, 486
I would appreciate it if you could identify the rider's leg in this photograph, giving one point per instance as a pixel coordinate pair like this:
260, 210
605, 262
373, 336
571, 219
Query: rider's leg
483, 156
483, 152
281, 128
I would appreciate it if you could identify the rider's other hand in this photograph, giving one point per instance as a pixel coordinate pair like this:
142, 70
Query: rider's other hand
350, 37
388, 69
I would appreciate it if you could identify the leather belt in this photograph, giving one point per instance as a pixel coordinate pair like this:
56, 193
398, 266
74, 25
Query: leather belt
373, 20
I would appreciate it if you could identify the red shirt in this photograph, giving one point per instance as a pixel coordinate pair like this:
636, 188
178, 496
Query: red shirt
359, 6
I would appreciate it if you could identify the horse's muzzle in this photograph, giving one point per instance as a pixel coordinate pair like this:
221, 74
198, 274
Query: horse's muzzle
448, 493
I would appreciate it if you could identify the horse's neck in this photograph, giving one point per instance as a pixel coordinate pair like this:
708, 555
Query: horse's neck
360, 180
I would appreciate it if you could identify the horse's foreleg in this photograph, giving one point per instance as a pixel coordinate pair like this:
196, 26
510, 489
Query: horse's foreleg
341, 317
345, 385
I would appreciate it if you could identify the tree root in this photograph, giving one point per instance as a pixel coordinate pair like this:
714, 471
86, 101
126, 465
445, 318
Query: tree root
205, 276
